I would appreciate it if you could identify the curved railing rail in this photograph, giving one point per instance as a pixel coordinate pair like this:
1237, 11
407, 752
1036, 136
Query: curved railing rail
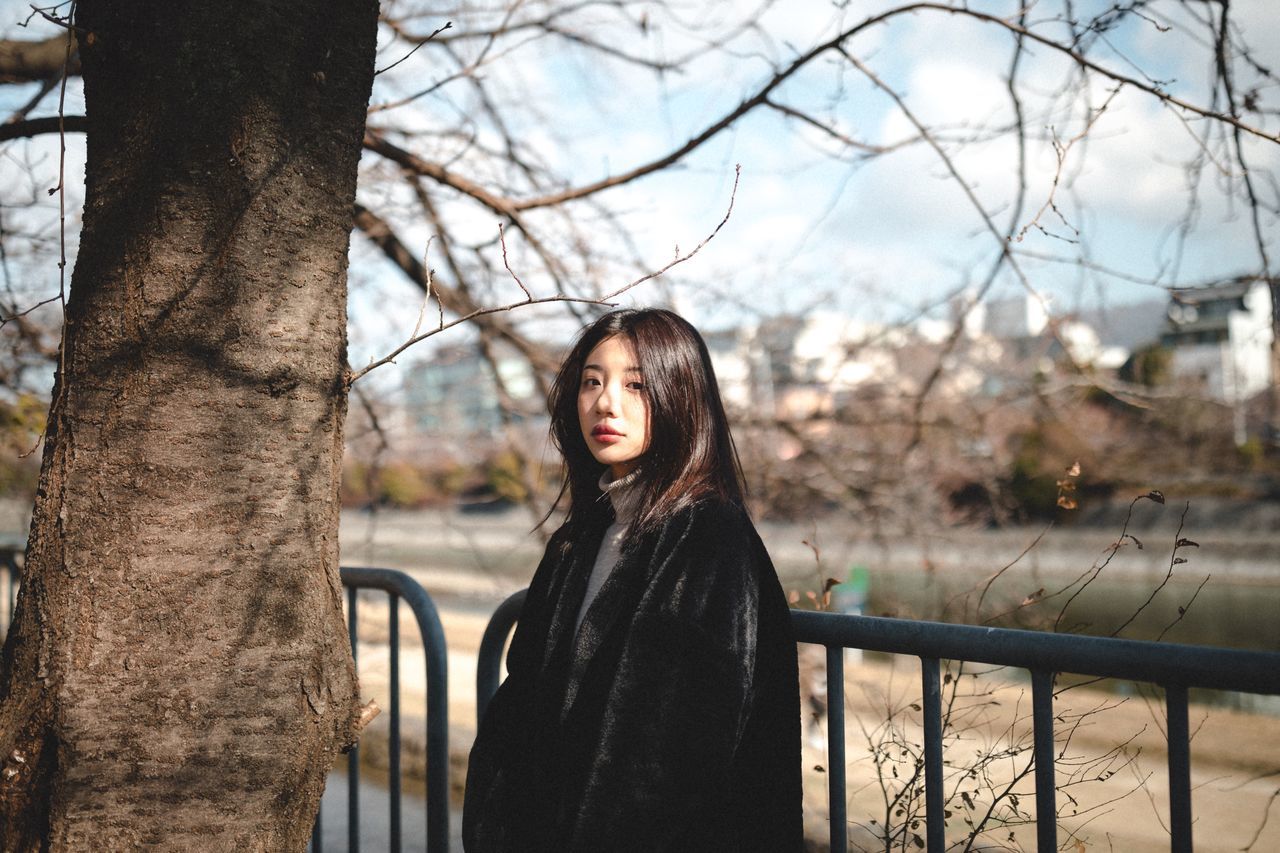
489, 658
1175, 667
402, 588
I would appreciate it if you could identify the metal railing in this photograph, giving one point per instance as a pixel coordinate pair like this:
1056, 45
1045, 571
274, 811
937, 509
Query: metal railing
1175, 667
400, 587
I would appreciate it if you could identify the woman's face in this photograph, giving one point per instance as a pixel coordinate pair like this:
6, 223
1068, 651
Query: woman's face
613, 408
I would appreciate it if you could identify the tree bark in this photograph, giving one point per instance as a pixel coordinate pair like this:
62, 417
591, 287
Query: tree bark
178, 672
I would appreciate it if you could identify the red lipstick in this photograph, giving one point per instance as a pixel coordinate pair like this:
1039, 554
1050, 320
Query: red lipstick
605, 434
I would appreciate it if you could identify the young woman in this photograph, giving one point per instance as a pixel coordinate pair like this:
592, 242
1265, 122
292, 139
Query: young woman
651, 703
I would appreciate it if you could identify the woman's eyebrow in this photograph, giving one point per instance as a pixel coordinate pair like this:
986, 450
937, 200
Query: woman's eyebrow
632, 369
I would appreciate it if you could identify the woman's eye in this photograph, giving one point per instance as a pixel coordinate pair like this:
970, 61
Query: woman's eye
636, 386
590, 382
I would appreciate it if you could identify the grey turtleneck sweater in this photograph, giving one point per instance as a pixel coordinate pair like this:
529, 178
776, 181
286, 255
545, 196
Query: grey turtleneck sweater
622, 496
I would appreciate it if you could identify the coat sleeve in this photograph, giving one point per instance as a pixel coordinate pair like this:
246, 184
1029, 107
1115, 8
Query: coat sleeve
499, 755
679, 699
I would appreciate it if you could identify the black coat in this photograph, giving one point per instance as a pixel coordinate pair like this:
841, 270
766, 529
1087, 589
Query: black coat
670, 722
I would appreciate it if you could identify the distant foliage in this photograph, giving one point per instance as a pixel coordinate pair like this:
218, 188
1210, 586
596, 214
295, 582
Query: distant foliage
1150, 366
406, 485
21, 423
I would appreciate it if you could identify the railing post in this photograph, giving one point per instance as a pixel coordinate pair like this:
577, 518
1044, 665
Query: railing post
403, 589
353, 757
393, 763
1175, 697
1046, 783
835, 750
934, 821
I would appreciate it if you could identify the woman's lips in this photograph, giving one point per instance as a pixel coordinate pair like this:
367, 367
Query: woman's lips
606, 434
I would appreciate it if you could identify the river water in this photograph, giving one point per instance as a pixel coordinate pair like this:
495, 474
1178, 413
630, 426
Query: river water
1227, 584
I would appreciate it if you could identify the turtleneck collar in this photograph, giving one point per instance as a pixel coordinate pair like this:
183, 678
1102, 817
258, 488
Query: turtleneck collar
622, 494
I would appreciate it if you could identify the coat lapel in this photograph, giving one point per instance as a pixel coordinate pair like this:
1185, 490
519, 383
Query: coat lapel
619, 596
568, 594
618, 591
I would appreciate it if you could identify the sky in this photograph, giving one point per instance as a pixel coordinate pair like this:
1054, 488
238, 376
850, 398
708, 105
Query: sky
813, 227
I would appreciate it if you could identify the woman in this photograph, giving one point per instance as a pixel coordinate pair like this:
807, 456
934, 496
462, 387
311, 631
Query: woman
651, 702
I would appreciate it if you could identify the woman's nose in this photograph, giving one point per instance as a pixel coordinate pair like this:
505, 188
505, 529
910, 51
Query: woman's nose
604, 402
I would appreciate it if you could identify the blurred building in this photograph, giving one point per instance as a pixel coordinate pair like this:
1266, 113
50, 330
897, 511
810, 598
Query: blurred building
1030, 335
1125, 329
1220, 337
737, 367
458, 393
811, 366
1008, 319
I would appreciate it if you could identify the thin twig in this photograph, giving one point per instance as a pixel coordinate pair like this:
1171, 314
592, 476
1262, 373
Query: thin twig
680, 259
502, 238
1061, 150
1266, 813
529, 299
479, 312
977, 613
1182, 611
1111, 552
426, 299
1174, 559
61, 380
65, 23
19, 314
447, 25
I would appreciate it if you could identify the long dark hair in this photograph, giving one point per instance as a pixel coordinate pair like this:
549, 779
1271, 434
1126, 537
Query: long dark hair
690, 455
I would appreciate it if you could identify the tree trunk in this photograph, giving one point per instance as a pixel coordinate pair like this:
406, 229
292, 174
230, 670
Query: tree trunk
178, 672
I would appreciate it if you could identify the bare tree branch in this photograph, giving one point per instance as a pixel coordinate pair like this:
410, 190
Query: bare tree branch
30, 127
453, 299
679, 258
761, 96
374, 141
383, 239
36, 61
